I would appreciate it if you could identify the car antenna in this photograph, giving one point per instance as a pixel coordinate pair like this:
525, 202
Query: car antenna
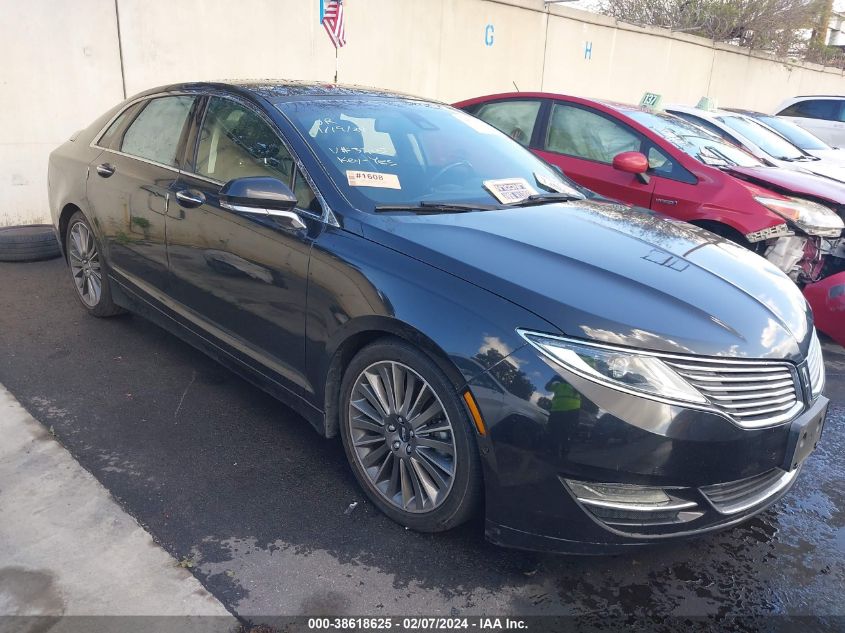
515, 86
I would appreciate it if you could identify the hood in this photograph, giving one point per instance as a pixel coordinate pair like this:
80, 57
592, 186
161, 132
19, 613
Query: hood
826, 169
836, 156
607, 272
792, 182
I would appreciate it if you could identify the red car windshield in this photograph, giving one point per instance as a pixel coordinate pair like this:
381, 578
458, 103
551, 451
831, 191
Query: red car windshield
693, 140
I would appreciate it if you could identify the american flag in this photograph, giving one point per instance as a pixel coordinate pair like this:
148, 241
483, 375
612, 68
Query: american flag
333, 22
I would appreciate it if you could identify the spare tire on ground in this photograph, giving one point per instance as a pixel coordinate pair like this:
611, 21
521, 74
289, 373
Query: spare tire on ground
28, 243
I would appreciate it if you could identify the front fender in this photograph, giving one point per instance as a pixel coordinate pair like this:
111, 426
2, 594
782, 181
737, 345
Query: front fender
358, 289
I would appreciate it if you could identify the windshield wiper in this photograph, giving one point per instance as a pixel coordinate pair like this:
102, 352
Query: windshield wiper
546, 198
428, 206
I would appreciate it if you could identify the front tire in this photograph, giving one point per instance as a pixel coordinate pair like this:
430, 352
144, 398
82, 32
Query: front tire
87, 269
408, 438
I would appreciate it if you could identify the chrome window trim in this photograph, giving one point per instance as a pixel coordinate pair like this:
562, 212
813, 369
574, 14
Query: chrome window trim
744, 365
327, 216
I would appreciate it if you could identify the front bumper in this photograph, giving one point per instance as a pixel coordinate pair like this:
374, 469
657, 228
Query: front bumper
716, 474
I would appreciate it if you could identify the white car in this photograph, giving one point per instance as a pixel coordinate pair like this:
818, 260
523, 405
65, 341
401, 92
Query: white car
823, 115
796, 135
763, 143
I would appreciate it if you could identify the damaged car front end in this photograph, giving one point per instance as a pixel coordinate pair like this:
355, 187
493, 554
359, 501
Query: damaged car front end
806, 239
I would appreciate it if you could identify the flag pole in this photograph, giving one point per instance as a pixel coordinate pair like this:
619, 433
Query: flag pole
335, 63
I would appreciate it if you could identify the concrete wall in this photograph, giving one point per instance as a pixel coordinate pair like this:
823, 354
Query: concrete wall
62, 61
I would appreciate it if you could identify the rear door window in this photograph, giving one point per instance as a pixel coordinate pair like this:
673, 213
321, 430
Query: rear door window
827, 109
515, 118
154, 135
583, 133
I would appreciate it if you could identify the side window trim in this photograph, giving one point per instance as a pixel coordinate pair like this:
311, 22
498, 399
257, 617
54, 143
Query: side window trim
541, 125
190, 168
643, 140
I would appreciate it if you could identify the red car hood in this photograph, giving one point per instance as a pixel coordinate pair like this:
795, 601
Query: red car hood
791, 182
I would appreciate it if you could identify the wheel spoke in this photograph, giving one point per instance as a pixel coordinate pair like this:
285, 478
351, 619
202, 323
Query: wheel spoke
428, 430
410, 385
387, 385
416, 485
367, 409
422, 398
428, 484
373, 457
378, 391
439, 445
435, 460
368, 441
407, 487
423, 418
397, 377
365, 425
95, 283
389, 459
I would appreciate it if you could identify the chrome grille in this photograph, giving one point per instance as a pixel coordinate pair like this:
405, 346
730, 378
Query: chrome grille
752, 393
744, 494
815, 365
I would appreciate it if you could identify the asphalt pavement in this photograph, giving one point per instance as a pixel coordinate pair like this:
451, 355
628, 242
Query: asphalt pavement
224, 476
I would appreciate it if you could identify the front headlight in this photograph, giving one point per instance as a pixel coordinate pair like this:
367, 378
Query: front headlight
811, 217
618, 368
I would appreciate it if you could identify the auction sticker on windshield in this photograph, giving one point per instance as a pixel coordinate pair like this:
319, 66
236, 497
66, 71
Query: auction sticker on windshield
510, 190
372, 179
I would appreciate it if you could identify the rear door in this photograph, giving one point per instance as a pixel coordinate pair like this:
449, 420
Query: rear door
240, 276
130, 185
823, 117
583, 142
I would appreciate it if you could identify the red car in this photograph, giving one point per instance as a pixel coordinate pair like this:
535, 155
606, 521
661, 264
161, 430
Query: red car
653, 159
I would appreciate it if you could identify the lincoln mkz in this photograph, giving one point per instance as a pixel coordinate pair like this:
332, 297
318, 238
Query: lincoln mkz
483, 334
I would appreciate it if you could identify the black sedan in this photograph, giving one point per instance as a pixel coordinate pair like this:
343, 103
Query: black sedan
477, 332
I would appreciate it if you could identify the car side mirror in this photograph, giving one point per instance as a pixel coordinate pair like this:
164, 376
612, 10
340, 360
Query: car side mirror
258, 191
632, 163
261, 196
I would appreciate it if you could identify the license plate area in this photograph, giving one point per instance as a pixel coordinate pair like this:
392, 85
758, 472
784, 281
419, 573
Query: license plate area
804, 436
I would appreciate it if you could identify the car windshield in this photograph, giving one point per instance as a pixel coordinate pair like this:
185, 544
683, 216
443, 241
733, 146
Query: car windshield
795, 133
770, 142
382, 152
695, 141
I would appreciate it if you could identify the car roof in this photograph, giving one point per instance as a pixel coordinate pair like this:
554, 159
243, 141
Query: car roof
710, 115
280, 90
751, 113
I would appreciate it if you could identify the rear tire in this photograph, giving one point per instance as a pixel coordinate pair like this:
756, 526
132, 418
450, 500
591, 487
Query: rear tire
408, 438
28, 243
88, 269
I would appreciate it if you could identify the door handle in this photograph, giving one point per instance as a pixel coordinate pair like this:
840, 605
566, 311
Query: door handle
190, 198
105, 170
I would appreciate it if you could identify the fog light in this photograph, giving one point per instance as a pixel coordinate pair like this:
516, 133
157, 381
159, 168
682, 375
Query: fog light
627, 494
632, 505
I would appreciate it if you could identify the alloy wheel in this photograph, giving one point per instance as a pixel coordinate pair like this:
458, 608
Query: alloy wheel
402, 437
85, 264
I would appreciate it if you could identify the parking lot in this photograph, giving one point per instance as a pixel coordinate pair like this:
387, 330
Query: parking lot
234, 483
